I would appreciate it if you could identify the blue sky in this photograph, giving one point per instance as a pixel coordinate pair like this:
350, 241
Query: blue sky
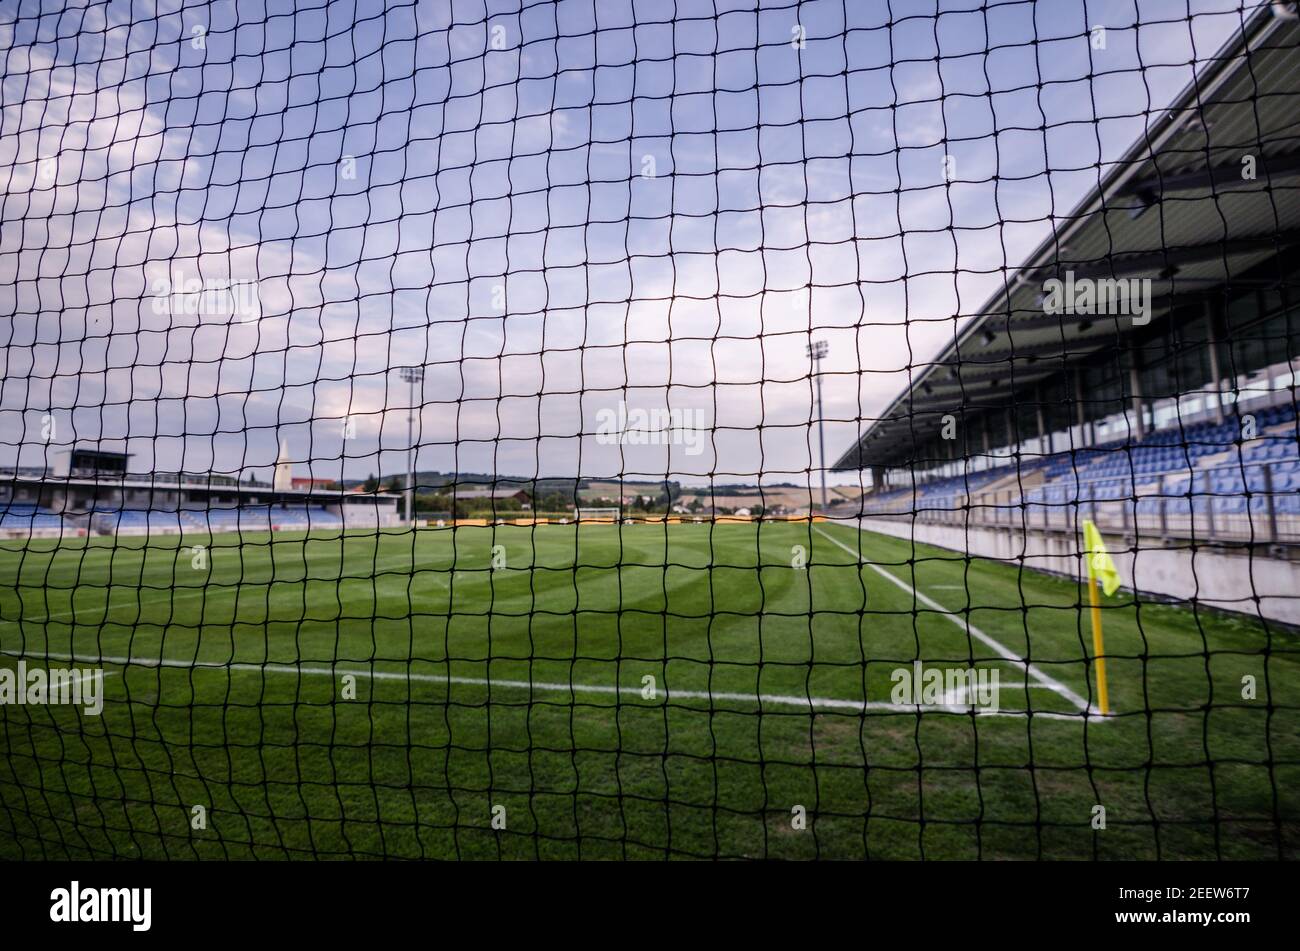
555, 207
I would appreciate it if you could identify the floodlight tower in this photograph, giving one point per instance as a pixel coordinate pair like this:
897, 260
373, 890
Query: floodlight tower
411, 375
816, 351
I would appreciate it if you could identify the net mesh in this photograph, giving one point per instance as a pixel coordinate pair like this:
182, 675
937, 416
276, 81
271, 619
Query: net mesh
325, 327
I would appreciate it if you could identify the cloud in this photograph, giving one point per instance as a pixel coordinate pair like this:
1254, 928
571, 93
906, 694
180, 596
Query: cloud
403, 199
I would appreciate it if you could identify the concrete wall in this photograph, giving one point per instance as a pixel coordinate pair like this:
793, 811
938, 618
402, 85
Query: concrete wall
1223, 579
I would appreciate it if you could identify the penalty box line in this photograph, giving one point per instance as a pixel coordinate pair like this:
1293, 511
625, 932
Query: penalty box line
1051, 683
812, 704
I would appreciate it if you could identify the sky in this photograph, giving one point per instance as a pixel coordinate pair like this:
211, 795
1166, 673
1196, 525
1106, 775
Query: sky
224, 228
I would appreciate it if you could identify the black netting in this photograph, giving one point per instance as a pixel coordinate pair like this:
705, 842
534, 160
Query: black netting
631, 430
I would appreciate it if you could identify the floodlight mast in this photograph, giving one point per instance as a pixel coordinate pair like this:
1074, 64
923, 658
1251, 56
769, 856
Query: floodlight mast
816, 350
412, 375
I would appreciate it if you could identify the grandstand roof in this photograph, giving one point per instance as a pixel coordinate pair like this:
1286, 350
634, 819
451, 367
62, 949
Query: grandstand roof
1174, 209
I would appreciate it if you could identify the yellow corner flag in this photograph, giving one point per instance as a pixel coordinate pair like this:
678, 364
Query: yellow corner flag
1100, 566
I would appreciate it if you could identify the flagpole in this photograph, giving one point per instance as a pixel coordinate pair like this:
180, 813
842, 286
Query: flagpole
1098, 646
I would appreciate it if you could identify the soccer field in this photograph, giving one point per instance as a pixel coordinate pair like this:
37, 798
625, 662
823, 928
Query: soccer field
504, 673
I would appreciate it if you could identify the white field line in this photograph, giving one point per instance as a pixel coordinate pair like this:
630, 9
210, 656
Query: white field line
90, 675
1049, 682
761, 699
169, 594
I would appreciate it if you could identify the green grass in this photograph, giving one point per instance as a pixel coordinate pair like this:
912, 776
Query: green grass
287, 767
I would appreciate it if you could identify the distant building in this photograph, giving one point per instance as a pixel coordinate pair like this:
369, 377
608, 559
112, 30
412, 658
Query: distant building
496, 499
283, 480
303, 482
497, 495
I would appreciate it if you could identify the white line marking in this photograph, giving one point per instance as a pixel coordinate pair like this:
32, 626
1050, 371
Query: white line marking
90, 675
173, 594
762, 699
1050, 682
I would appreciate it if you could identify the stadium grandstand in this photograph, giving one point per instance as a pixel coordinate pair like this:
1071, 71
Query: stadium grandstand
1173, 429
94, 492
